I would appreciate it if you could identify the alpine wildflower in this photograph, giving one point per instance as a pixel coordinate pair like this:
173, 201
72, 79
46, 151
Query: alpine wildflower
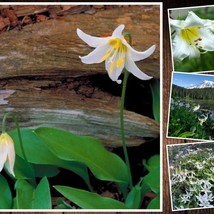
116, 52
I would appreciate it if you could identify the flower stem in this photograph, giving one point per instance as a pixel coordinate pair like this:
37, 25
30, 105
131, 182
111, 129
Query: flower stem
122, 101
18, 130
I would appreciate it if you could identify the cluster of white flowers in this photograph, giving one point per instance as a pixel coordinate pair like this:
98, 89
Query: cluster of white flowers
192, 177
193, 36
202, 117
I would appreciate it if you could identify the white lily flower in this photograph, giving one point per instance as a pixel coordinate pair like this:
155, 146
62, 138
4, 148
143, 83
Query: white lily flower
192, 36
116, 52
7, 153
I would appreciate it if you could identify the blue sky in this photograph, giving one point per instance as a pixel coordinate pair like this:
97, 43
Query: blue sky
189, 79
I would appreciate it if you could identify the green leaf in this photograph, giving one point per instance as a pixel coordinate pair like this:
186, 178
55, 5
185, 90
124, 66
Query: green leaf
24, 194
134, 198
186, 134
33, 145
5, 194
42, 195
152, 179
155, 203
27, 197
15, 205
89, 200
87, 150
23, 169
45, 170
153, 163
155, 88
61, 204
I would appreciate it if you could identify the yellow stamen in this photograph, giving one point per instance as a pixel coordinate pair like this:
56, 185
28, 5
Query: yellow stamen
119, 63
111, 67
118, 45
190, 34
105, 56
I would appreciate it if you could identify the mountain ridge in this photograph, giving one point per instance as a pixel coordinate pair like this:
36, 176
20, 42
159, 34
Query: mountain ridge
204, 84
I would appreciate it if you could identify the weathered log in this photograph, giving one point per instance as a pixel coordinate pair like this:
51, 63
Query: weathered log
44, 82
53, 47
86, 110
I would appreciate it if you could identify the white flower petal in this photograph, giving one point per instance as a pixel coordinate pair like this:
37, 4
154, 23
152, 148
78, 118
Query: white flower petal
192, 20
118, 31
132, 68
181, 49
176, 23
115, 73
207, 40
3, 155
91, 40
9, 164
96, 55
137, 55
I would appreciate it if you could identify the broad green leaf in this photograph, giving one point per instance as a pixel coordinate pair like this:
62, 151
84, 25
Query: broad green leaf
153, 163
134, 198
28, 197
89, 200
45, 170
24, 194
23, 169
153, 177
42, 195
38, 153
153, 180
87, 150
155, 203
5, 194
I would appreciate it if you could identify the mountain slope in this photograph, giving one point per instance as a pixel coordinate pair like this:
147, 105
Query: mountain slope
204, 84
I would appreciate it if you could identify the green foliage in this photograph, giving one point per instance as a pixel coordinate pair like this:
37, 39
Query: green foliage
48, 149
61, 204
42, 195
24, 194
204, 63
134, 198
184, 122
155, 88
28, 197
191, 174
5, 196
87, 150
152, 179
33, 146
23, 169
155, 203
150, 182
89, 200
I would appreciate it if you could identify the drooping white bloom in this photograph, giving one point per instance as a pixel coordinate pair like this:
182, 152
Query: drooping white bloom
7, 153
116, 52
192, 35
